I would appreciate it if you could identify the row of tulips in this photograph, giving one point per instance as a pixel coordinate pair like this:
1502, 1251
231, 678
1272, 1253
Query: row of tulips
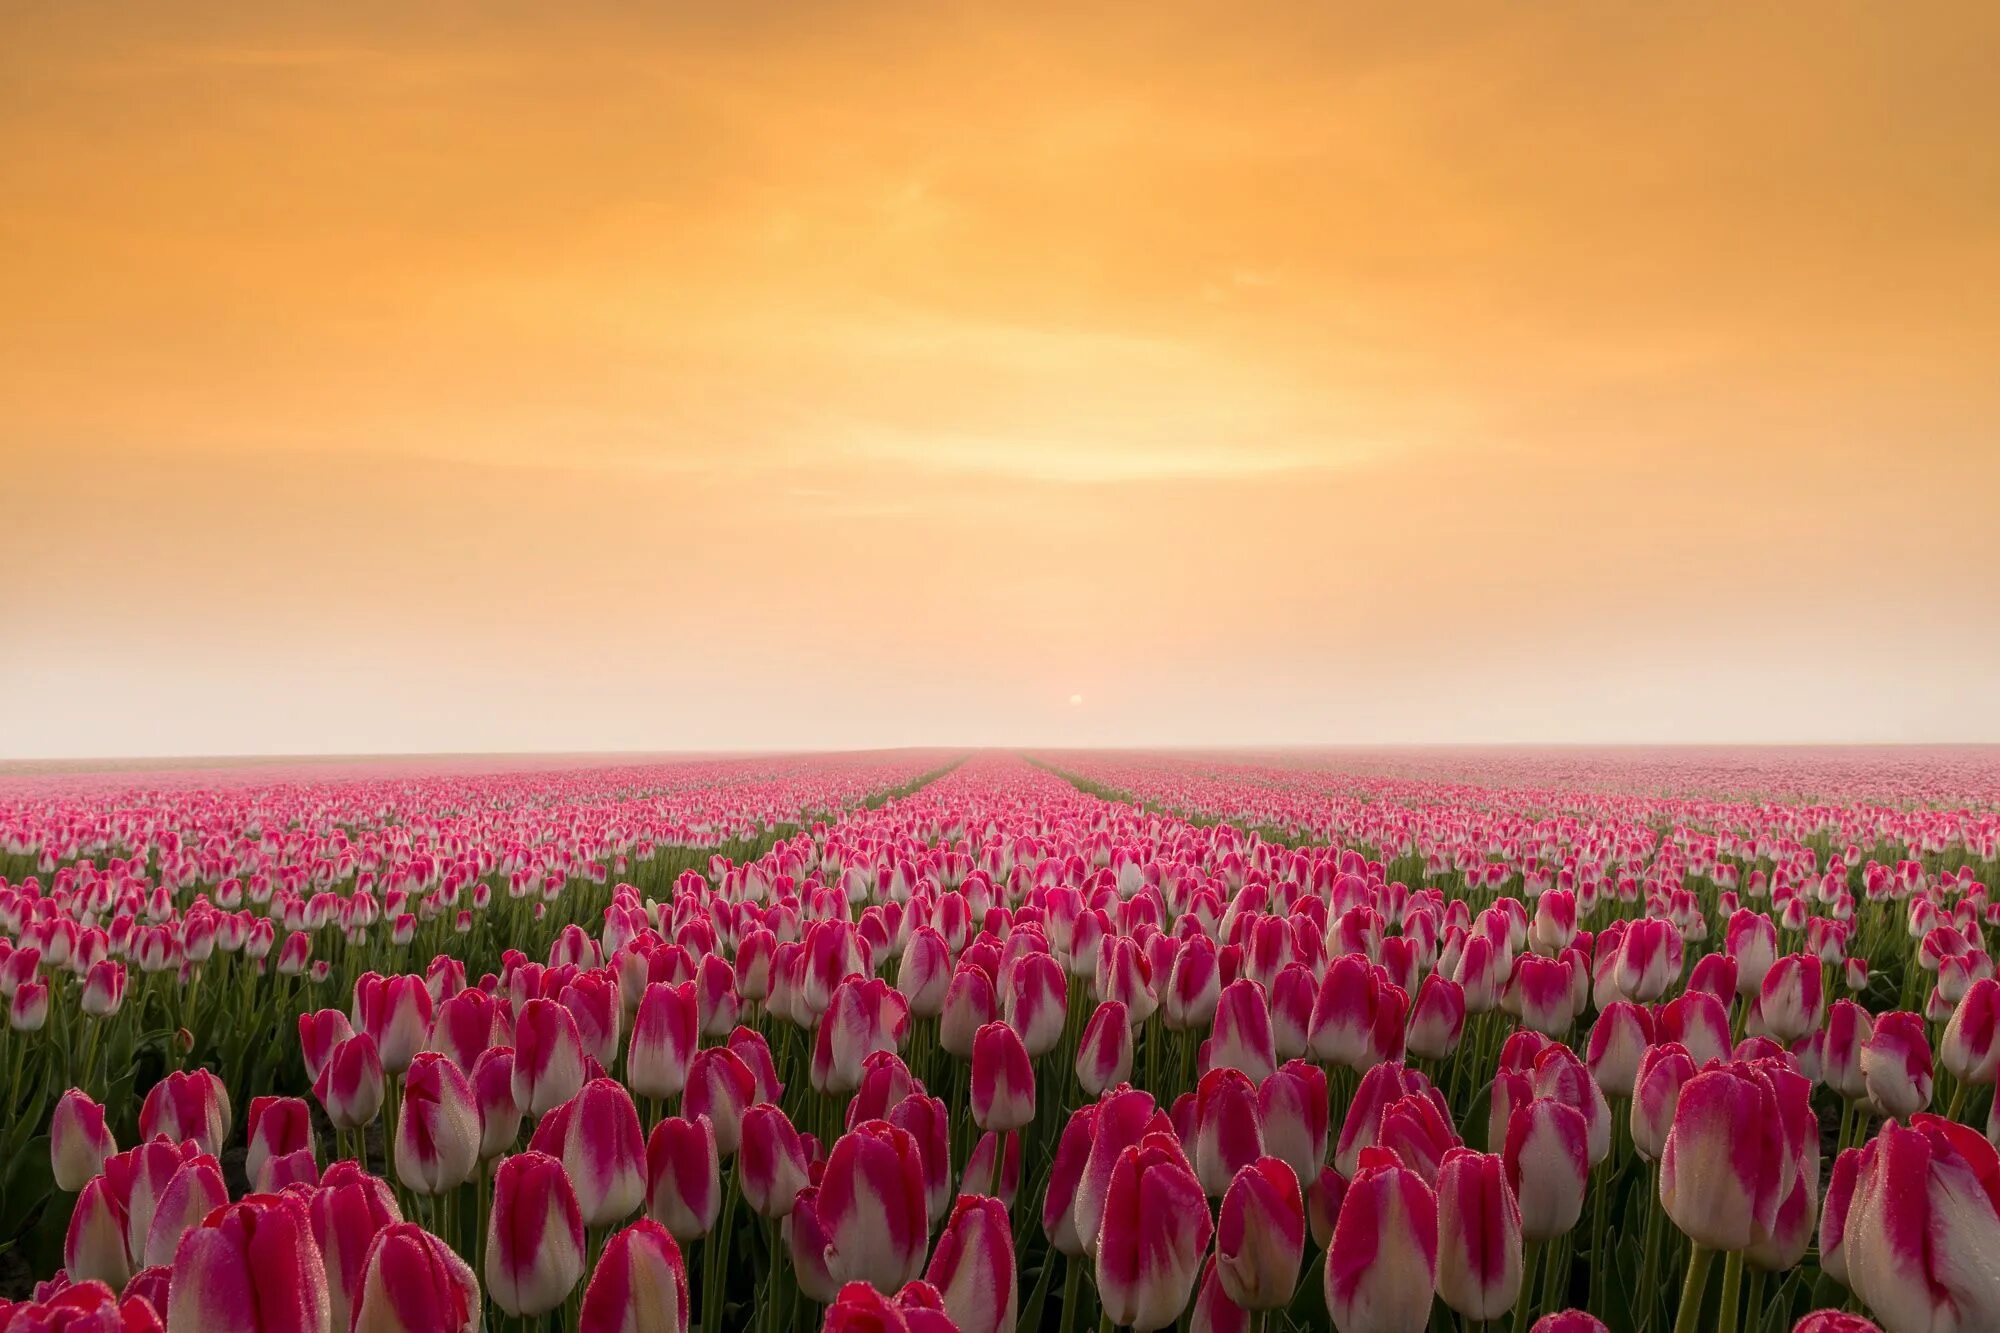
1162, 954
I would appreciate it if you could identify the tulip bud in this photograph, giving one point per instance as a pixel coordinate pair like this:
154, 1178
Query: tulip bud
79, 1140
252, 1266
493, 1090
1065, 1172
1792, 997
1104, 1055
534, 1235
415, 1283
94, 1248
721, 1087
639, 1286
1618, 1038
665, 1037
1728, 1163
1241, 1038
1155, 1228
1896, 1065
873, 1208
1479, 1269
350, 1085
1260, 1237
1381, 1269
1438, 1019
348, 1210
1036, 1002
973, 1266
548, 1056
596, 1136
187, 1106
1923, 1227
969, 1005
683, 1177
929, 1123
1568, 1321
1003, 1079
193, 1192
806, 1246
1548, 1166
1292, 1110
771, 1161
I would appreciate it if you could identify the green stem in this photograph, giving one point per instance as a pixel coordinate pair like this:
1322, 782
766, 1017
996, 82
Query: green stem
1732, 1282
1531, 1253
1696, 1287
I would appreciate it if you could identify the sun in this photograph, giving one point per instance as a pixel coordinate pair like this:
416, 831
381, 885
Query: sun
1076, 701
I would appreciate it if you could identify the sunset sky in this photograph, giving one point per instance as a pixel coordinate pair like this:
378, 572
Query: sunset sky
379, 377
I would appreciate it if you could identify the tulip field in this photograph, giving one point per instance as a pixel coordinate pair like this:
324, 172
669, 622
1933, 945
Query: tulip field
1381, 1042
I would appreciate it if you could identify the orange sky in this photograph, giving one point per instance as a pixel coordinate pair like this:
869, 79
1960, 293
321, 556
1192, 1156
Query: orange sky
753, 374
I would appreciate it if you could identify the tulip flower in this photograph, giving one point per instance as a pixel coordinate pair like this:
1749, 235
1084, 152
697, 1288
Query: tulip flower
873, 1207
1324, 1196
927, 1121
466, 1025
534, 1236
1104, 1054
396, 1011
806, 1246
639, 1286
995, 1165
969, 1005
1732, 1153
1569, 1321
596, 1136
1213, 1311
1381, 1268
1241, 1038
771, 1161
252, 1266
1292, 1112
924, 973
79, 1140
1835, 1321
973, 1266
1260, 1235
319, 1034
1618, 1039
548, 1056
1438, 1019
1228, 1130
277, 1127
1479, 1270
350, 1085
415, 1283
493, 1089
1155, 1228
1003, 1079
192, 1193
862, 1018
187, 1106
1792, 997
80, 1307
348, 1210
1548, 1166
720, 1086
1066, 1169
1923, 1227
684, 1177
103, 992
1896, 1065
94, 1247
1035, 1002
664, 1038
